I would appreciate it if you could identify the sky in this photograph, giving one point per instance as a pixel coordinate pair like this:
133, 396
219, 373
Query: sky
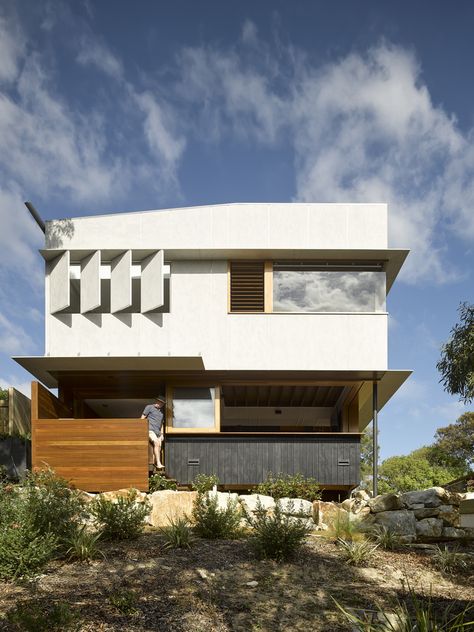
115, 106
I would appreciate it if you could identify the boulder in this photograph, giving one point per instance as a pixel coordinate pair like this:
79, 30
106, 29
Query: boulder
325, 512
451, 533
361, 494
429, 528
169, 504
401, 522
250, 502
425, 512
449, 515
140, 497
223, 498
432, 497
296, 506
385, 502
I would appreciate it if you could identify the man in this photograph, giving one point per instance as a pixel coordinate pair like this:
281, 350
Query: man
154, 414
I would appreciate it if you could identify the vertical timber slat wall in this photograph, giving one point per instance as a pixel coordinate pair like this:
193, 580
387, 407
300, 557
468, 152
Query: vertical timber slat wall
93, 454
331, 459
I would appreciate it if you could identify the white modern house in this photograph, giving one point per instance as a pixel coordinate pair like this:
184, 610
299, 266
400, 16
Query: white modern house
264, 324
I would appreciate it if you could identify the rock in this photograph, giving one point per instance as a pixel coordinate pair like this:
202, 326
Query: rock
86, 497
432, 497
361, 494
466, 521
451, 533
426, 512
401, 522
348, 504
296, 506
123, 493
168, 504
429, 528
250, 502
385, 502
449, 515
362, 513
325, 512
417, 506
203, 574
252, 584
429, 548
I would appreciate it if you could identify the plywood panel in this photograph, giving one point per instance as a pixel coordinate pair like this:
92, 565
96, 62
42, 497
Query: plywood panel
95, 455
59, 286
121, 282
90, 282
152, 282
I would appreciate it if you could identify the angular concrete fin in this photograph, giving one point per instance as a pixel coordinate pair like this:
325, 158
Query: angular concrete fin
59, 285
152, 282
121, 282
90, 282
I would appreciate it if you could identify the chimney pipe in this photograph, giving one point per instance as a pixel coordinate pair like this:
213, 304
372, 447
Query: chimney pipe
36, 216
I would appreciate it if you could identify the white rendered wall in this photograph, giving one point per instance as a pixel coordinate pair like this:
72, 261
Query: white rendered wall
198, 324
312, 226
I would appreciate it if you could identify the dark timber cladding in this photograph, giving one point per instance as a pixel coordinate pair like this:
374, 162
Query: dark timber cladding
247, 286
332, 459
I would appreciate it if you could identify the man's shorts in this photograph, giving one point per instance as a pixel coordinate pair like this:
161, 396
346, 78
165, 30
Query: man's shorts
152, 436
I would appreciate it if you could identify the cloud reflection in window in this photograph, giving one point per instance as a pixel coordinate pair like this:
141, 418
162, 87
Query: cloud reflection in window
193, 408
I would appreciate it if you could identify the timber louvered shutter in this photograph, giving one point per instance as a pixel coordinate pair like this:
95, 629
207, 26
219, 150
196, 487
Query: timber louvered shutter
247, 286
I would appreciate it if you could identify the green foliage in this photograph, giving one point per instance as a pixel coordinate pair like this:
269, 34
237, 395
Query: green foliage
35, 520
288, 486
203, 483
357, 552
212, 522
125, 601
344, 527
4, 394
120, 520
35, 616
454, 444
178, 534
53, 506
413, 471
385, 538
83, 544
413, 614
3, 475
158, 482
276, 535
448, 561
456, 364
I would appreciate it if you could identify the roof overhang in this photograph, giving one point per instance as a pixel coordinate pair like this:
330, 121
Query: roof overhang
392, 258
47, 369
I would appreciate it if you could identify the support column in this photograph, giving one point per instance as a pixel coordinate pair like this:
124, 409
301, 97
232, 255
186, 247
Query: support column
375, 432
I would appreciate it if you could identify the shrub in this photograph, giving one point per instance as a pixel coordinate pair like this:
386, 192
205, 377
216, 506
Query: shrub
276, 535
287, 486
448, 561
385, 538
120, 520
203, 483
177, 534
83, 544
33, 616
214, 523
3, 475
51, 503
125, 601
357, 553
23, 551
344, 527
158, 482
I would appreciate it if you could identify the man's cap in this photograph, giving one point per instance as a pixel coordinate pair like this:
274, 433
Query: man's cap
161, 398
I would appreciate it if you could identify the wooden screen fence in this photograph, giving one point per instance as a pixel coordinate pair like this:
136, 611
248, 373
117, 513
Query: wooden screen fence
94, 454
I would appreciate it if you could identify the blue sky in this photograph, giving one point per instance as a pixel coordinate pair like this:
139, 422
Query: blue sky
112, 106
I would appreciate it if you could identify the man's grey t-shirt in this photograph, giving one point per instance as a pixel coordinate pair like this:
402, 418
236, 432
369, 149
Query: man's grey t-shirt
155, 418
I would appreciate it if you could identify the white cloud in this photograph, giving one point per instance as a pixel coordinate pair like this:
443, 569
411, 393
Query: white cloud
12, 380
12, 47
13, 338
93, 52
363, 128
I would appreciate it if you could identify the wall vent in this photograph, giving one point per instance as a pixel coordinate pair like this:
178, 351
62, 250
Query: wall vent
247, 286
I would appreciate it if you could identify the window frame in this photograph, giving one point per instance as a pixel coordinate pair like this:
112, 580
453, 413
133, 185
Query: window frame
170, 429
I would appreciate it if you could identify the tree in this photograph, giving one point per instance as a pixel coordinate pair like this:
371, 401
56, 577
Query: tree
454, 444
413, 471
457, 357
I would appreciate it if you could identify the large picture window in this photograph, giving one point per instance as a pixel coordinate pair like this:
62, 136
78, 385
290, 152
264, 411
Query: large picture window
309, 289
193, 408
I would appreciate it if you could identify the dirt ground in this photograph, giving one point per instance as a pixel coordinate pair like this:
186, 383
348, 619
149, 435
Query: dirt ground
206, 588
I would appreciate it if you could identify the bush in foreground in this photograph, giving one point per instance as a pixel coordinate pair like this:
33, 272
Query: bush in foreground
203, 483
357, 553
33, 616
120, 520
178, 534
212, 522
276, 535
83, 545
158, 482
288, 486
